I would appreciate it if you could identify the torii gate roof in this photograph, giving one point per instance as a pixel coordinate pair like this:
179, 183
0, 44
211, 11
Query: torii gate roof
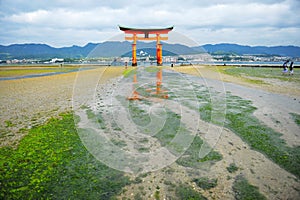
146, 30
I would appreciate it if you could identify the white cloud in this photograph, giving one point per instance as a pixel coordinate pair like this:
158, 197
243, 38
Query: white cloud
66, 19
258, 36
78, 22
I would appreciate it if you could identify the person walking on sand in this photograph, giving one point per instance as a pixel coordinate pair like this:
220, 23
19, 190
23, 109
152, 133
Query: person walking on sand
285, 68
291, 68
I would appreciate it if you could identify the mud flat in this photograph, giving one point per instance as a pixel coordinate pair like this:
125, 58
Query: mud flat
210, 166
31, 101
275, 103
280, 84
255, 165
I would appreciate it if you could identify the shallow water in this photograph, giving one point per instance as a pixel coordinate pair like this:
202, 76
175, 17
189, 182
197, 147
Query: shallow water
41, 75
272, 109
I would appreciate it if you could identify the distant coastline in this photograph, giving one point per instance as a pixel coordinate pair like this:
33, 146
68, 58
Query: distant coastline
250, 64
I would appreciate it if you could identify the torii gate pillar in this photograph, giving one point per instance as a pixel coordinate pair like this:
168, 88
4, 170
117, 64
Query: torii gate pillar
136, 35
159, 54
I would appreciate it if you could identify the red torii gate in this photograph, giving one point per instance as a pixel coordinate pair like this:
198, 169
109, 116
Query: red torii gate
135, 35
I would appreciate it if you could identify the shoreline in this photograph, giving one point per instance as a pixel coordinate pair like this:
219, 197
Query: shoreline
215, 72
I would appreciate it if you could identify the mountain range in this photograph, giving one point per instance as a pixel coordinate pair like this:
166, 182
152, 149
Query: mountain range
291, 51
115, 48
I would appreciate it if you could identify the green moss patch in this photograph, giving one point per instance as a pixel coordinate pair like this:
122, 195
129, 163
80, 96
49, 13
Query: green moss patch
52, 163
186, 192
240, 119
129, 72
259, 136
232, 168
296, 118
260, 72
191, 156
243, 190
206, 183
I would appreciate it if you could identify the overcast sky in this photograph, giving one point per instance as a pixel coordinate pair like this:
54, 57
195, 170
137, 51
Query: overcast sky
72, 22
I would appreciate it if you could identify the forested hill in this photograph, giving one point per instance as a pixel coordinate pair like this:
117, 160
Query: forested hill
112, 49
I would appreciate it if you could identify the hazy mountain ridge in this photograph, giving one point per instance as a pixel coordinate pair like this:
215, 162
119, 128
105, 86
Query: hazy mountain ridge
114, 48
291, 51
43, 51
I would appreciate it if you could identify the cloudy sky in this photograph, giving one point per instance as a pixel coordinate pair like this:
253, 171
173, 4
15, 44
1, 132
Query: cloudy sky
77, 22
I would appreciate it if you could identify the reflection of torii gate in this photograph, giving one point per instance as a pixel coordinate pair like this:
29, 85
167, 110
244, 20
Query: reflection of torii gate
136, 35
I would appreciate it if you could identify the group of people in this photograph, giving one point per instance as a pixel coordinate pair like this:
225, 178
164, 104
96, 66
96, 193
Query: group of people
286, 69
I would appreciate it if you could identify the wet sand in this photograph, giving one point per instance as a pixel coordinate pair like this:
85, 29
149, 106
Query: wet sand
272, 181
29, 102
274, 102
212, 72
32, 101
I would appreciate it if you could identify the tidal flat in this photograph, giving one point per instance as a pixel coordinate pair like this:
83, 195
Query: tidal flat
256, 154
